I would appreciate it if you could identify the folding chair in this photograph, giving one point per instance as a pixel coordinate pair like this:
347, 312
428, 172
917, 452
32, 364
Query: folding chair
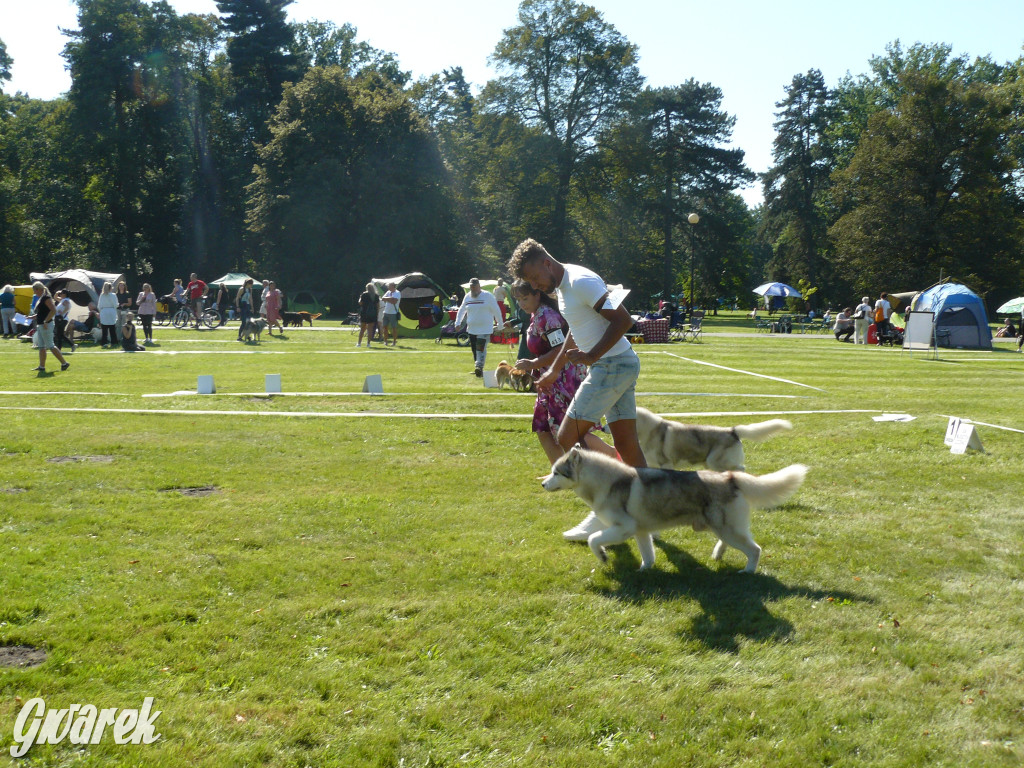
677, 327
694, 332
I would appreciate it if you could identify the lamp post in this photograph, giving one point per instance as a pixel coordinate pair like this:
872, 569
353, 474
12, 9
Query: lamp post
694, 219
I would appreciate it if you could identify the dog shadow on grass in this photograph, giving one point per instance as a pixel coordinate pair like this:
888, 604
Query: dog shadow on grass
733, 605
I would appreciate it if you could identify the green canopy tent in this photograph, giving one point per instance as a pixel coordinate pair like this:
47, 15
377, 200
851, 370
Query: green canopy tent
235, 280
232, 281
419, 311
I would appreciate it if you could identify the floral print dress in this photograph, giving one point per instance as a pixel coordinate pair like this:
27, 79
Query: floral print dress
551, 406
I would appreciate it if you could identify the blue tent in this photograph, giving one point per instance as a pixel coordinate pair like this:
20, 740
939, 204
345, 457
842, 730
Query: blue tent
960, 318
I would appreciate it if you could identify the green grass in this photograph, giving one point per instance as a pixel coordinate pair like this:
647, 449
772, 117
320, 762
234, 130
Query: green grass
395, 591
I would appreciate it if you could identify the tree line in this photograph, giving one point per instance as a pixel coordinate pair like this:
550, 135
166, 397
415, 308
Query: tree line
295, 151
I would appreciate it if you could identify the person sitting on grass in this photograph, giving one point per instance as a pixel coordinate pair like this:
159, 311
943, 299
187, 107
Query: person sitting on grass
129, 341
1008, 331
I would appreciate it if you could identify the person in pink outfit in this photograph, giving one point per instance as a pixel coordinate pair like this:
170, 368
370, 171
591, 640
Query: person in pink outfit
273, 305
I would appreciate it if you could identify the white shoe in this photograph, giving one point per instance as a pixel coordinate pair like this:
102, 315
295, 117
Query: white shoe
590, 524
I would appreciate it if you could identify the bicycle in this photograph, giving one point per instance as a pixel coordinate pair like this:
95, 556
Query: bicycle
185, 317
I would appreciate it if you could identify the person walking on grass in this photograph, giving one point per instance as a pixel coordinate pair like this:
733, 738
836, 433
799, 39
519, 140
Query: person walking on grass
272, 302
480, 311
596, 339
45, 315
545, 333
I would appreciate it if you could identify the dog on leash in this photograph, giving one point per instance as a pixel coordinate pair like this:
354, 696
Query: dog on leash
522, 381
253, 328
503, 375
669, 444
635, 503
298, 318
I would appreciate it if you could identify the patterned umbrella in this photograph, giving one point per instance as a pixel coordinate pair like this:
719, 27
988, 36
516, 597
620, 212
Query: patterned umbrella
776, 289
1012, 307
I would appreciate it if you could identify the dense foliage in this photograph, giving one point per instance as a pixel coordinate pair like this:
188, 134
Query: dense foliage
300, 153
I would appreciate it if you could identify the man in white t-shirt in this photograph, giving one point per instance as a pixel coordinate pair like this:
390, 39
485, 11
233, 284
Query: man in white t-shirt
883, 311
390, 303
596, 339
480, 310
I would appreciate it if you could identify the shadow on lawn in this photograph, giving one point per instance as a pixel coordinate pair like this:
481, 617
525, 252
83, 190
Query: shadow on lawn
733, 604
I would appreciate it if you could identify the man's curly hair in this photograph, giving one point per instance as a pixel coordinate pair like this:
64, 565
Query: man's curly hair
527, 251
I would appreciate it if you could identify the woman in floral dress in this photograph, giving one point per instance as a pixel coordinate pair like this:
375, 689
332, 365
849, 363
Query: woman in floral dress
544, 337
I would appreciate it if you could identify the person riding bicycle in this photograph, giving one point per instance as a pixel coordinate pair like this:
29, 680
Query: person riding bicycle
196, 290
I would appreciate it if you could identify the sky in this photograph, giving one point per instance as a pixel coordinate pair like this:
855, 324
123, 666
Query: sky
749, 49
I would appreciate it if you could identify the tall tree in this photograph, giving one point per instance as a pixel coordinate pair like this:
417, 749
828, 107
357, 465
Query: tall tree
929, 188
125, 110
667, 158
6, 62
324, 44
797, 184
351, 186
566, 70
259, 48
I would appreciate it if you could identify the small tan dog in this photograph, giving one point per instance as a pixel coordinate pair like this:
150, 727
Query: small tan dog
503, 375
522, 381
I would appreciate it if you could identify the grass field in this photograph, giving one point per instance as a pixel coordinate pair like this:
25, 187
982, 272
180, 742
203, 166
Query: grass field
356, 584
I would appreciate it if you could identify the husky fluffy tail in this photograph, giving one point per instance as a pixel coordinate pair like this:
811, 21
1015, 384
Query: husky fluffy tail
770, 490
761, 430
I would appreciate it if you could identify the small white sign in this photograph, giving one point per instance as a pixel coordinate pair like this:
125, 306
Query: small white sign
555, 337
951, 428
966, 437
374, 384
205, 386
894, 417
273, 383
490, 380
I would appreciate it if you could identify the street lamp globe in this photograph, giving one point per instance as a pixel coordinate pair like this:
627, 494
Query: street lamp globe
693, 218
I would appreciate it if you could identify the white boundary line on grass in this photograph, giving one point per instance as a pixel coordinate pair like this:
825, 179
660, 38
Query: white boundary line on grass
186, 392
153, 351
377, 415
739, 370
44, 392
985, 424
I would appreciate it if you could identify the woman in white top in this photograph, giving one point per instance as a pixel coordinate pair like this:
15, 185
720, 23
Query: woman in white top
861, 321
107, 305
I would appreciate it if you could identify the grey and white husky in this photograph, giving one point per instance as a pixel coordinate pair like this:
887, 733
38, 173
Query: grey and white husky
634, 503
252, 329
669, 444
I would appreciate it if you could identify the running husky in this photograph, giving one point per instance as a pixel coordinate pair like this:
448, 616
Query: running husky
668, 444
638, 502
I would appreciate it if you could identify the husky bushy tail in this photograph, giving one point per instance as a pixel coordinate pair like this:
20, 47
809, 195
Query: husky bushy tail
762, 430
766, 491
